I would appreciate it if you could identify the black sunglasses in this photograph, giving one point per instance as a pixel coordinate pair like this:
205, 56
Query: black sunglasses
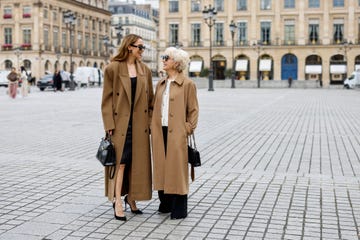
165, 57
140, 47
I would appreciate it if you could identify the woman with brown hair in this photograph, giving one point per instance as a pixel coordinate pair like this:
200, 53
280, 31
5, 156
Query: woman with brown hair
126, 111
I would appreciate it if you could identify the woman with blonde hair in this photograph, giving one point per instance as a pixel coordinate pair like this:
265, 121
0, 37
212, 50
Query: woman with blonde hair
175, 117
126, 112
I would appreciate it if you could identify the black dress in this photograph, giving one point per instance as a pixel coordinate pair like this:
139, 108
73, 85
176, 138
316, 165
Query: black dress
127, 152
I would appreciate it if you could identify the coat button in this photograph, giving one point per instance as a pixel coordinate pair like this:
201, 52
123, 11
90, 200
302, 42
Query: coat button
170, 131
146, 130
171, 115
115, 113
145, 111
171, 99
117, 94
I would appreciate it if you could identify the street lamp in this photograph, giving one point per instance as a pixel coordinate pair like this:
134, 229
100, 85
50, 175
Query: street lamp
17, 52
119, 32
232, 30
258, 48
70, 20
209, 15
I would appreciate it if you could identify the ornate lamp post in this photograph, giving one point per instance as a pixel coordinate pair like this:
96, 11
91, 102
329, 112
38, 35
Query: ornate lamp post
209, 15
258, 48
232, 30
119, 32
70, 21
17, 53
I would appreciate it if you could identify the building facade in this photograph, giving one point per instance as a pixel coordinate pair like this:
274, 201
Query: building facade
309, 40
140, 19
37, 35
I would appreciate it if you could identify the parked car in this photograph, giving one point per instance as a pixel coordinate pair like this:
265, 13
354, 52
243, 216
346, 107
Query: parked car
46, 82
4, 82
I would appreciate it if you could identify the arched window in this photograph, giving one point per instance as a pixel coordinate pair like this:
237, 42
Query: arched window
8, 64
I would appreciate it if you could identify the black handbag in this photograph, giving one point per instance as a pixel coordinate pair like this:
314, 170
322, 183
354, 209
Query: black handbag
106, 154
193, 153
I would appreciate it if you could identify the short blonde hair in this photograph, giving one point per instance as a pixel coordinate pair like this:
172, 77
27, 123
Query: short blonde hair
180, 56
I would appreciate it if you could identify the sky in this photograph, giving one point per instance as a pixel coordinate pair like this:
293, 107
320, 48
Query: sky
154, 3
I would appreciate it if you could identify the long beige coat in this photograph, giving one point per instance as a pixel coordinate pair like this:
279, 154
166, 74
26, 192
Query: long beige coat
171, 173
116, 107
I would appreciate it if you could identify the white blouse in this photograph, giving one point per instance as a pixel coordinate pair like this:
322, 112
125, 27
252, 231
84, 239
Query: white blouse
165, 104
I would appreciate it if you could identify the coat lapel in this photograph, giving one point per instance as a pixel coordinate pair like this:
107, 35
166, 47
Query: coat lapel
125, 79
141, 81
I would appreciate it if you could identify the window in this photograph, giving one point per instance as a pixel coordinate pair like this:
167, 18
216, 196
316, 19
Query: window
94, 43
289, 35
289, 4
338, 3
72, 41
26, 12
242, 33
7, 12
27, 36
265, 4
63, 39
265, 33
338, 32
93, 25
79, 38
174, 34
314, 33
87, 38
56, 38
219, 34
8, 35
55, 16
195, 34
173, 6
314, 3
86, 23
8, 64
241, 5
195, 6
46, 37
100, 27
219, 5
45, 13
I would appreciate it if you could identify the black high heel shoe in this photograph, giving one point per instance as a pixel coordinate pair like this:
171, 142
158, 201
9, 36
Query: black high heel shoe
137, 211
121, 218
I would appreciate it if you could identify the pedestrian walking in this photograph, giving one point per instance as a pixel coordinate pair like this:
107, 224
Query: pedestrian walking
24, 82
290, 82
57, 81
174, 118
13, 78
126, 111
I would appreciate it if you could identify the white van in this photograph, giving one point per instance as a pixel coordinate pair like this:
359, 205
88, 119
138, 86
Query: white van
88, 76
353, 80
4, 82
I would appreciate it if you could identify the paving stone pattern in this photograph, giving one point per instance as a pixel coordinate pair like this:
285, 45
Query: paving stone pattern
277, 164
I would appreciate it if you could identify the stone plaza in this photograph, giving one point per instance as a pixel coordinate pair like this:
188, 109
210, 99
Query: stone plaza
276, 164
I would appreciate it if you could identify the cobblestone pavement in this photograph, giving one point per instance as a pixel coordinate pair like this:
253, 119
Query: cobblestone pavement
277, 164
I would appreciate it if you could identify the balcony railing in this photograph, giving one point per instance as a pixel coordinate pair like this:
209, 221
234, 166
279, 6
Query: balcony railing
288, 42
26, 15
196, 44
218, 43
314, 42
240, 43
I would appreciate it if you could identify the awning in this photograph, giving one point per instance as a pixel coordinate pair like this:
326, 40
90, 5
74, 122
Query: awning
195, 66
313, 69
339, 69
265, 65
241, 65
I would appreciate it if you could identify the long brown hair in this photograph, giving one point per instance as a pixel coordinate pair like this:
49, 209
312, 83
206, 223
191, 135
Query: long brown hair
123, 49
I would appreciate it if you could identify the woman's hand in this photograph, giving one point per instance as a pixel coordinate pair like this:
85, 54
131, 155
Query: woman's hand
110, 132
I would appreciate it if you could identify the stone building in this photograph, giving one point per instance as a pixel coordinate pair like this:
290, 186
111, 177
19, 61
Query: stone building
140, 19
34, 34
308, 40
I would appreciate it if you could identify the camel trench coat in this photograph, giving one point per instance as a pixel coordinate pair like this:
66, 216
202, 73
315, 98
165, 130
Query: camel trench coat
116, 107
171, 173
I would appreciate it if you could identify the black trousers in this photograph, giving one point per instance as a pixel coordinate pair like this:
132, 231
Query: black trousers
172, 203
